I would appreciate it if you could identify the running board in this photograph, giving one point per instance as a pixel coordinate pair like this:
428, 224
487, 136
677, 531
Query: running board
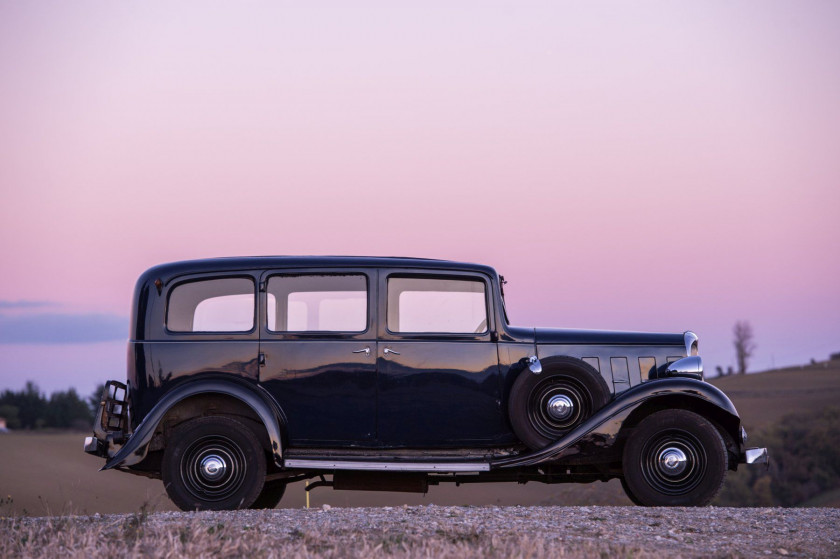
310, 464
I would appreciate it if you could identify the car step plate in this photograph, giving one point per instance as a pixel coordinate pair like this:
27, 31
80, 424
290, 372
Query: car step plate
327, 464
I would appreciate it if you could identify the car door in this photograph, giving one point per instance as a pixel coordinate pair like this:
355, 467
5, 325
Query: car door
438, 365
318, 353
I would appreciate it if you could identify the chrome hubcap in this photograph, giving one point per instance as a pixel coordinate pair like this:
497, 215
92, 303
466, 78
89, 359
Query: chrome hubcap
556, 405
560, 407
213, 467
672, 461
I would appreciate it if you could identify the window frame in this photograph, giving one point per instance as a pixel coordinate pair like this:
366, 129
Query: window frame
387, 334
211, 334
367, 333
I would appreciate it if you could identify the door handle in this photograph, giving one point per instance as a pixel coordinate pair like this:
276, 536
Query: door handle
388, 350
366, 351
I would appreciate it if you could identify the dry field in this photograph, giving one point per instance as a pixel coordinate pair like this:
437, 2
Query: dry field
48, 474
432, 531
764, 398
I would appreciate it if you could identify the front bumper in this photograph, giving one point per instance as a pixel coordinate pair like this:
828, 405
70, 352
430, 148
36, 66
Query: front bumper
753, 455
110, 428
756, 456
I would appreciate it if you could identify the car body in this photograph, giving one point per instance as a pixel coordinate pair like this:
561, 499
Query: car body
249, 373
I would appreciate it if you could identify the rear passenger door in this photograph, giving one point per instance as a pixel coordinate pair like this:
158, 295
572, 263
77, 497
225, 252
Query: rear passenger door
438, 364
318, 344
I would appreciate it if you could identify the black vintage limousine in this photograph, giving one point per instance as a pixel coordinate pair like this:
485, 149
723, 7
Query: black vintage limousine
247, 374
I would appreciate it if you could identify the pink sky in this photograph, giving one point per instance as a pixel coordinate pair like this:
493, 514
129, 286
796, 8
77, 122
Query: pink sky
644, 166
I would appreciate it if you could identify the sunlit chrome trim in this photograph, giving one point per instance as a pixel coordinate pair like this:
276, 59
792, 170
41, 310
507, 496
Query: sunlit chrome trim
534, 365
743, 435
91, 445
672, 461
308, 464
213, 467
560, 407
691, 343
756, 456
686, 367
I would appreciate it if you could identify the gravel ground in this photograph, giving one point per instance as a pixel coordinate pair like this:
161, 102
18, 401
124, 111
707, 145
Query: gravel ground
434, 531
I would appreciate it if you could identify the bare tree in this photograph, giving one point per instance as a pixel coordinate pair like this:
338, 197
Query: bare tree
744, 345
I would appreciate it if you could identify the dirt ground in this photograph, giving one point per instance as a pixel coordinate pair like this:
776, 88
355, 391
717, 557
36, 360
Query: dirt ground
432, 531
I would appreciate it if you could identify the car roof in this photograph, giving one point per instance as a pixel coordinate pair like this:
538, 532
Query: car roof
227, 264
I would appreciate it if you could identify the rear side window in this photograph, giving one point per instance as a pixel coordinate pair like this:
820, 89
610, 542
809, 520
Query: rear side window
317, 303
434, 305
216, 305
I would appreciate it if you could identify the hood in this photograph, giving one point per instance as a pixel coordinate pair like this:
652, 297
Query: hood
606, 337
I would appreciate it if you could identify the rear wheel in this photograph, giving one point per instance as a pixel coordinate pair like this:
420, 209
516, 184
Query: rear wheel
213, 463
674, 458
270, 496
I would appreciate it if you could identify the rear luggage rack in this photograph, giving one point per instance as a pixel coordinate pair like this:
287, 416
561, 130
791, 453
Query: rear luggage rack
111, 424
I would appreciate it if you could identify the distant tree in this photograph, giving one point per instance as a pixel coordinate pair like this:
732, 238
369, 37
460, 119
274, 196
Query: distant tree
805, 462
719, 370
30, 409
30, 404
95, 398
744, 345
10, 414
67, 409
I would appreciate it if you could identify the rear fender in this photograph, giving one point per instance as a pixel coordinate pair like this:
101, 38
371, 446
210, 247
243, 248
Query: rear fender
601, 431
134, 450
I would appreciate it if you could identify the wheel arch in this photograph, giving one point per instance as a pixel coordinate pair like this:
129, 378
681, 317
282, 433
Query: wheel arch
609, 425
180, 404
727, 423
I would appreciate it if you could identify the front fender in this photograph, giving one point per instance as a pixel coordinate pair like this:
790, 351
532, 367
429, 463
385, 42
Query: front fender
602, 429
134, 450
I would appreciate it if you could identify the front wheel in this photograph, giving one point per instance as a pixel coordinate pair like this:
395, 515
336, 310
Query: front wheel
674, 458
213, 463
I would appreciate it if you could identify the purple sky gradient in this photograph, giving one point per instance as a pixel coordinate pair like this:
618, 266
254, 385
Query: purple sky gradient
644, 166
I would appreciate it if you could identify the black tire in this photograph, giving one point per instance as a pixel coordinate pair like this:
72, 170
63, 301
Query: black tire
270, 496
213, 463
562, 377
629, 493
674, 458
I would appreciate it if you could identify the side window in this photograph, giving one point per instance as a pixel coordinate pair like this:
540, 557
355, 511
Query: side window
452, 306
216, 305
317, 303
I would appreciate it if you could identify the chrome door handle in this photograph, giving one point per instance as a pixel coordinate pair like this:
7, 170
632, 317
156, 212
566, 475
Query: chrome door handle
388, 350
366, 351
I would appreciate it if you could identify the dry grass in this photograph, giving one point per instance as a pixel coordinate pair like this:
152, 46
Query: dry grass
133, 536
431, 531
